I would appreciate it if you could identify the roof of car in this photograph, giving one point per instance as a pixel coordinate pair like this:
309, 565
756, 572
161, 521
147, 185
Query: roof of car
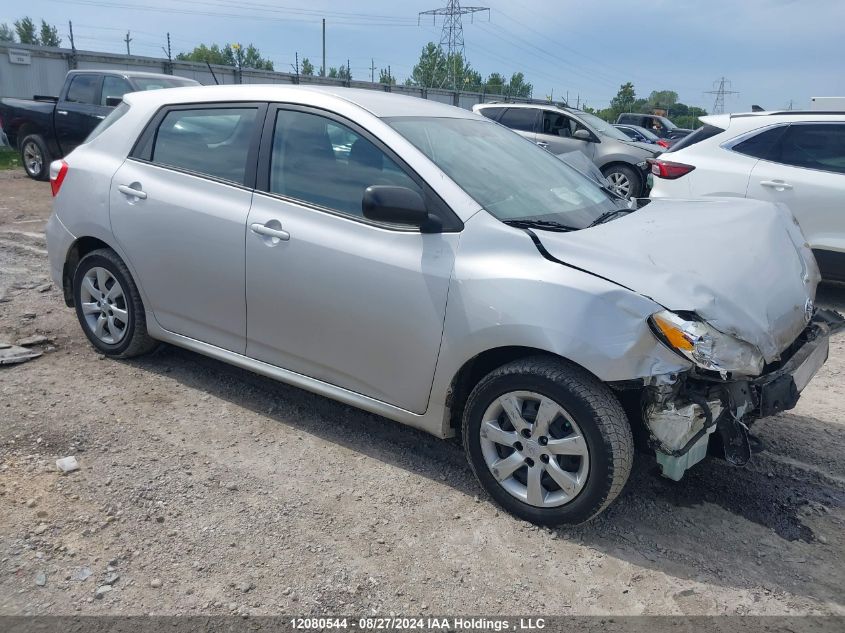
753, 120
125, 73
377, 102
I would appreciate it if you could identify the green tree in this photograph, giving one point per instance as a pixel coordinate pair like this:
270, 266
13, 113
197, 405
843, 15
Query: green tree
49, 35
384, 77
624, 99
663, 99
518, 87
430, 70
307, 67
25, 28
229, 55
7, 34
341, 72
495, 84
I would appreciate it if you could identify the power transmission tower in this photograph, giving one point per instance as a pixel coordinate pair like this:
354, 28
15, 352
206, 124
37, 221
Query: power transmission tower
452, 34
721, 87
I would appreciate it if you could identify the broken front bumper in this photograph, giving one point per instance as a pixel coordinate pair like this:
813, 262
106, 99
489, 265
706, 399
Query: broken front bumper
682, 411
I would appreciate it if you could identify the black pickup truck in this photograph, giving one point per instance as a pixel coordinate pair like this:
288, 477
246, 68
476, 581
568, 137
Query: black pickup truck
46, 128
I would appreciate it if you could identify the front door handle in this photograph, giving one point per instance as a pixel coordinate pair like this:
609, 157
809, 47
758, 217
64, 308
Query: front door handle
777, 185
270, 231
62, 112
542, 144
131, 191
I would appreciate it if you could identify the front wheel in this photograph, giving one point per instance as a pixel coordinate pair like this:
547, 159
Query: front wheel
548, 441
623, 180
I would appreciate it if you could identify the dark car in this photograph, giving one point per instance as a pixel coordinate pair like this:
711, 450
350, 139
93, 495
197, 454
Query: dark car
659, 125
46, 128
642, 135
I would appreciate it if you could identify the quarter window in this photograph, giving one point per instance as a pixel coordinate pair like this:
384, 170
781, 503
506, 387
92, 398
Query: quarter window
212, 141
492, 113
524, 119
321, 161
763, 145
815, 146
84, 89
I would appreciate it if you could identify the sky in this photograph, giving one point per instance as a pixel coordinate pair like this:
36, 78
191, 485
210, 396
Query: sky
773, 52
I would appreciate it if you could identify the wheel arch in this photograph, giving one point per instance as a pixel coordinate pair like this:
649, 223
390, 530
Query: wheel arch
79, 249
475, 368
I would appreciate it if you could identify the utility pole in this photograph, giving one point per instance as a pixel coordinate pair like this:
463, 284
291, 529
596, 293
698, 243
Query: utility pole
348, 73
168, 66
372, 70
452, 35
578, 103
72, 60
127, 39
721, 87
323, 70
296, 69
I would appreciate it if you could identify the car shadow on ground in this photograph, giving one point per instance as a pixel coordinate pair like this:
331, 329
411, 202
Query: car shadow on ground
678, 528
831, 295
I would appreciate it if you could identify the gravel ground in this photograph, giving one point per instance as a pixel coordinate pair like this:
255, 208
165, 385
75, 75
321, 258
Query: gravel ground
204, 489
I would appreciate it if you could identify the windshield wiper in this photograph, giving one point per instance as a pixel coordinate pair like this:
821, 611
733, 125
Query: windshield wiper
607, 215
543, 225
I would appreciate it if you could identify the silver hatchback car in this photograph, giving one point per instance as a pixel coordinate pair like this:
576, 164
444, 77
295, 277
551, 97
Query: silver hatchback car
426, 264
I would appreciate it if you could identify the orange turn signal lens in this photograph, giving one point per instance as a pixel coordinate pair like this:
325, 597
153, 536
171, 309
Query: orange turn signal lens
673, 333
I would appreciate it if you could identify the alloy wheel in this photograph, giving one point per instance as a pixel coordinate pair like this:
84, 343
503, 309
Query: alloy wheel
620, 183
32, 159
104, 306
534, 449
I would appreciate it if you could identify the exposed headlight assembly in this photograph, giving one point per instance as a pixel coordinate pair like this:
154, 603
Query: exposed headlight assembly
706, 346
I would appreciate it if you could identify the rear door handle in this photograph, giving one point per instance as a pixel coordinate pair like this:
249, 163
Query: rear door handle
269, 231
778, 185
542, 144
131, 191
62, 112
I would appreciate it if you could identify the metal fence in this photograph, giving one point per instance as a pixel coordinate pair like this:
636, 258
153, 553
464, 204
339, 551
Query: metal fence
29, 70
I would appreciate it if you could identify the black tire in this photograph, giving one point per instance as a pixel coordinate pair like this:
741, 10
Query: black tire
602, 421
34, 145
135, 340
637, 182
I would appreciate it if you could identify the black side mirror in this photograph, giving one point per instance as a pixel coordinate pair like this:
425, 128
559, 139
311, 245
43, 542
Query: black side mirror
398, 205
113, 102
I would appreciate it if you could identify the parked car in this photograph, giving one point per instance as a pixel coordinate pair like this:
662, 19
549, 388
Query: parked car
443, 272
794, 158
562, 130
659, 125
46, 128
642, 135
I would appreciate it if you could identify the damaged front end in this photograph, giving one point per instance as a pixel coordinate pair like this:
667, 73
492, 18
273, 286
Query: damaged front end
681, 411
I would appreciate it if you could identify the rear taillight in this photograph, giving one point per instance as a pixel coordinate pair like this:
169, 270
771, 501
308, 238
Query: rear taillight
667, 169
663, 142
58, 171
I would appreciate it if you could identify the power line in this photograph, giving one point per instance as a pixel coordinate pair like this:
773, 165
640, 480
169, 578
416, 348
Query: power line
452, 35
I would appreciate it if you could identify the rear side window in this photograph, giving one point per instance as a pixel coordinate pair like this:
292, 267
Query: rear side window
764, 145
492, 113
701, 134
211, 141
84, 89
321, 161
524, 119
630, 119
815, 146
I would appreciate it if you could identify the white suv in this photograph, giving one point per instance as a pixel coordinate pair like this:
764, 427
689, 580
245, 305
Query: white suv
797, 158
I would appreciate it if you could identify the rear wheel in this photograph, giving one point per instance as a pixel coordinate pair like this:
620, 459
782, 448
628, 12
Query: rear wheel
109, 307
35, 157
548, 441
623, 180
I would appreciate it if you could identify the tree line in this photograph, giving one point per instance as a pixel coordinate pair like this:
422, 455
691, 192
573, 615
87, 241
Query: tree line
25, 31
626, 100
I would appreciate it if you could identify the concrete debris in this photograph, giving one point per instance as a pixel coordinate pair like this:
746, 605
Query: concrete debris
35, 339
41, 579
11, 354
67, 464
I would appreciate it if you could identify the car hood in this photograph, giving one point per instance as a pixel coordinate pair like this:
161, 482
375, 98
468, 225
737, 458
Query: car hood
648, 148
742, 265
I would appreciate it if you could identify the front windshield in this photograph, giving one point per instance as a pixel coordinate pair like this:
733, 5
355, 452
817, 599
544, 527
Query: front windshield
509, 176
602, 127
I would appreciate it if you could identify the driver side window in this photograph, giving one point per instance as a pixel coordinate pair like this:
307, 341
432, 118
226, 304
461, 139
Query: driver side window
323, 162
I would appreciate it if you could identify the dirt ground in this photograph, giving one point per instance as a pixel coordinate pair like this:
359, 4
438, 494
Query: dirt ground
205, 489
